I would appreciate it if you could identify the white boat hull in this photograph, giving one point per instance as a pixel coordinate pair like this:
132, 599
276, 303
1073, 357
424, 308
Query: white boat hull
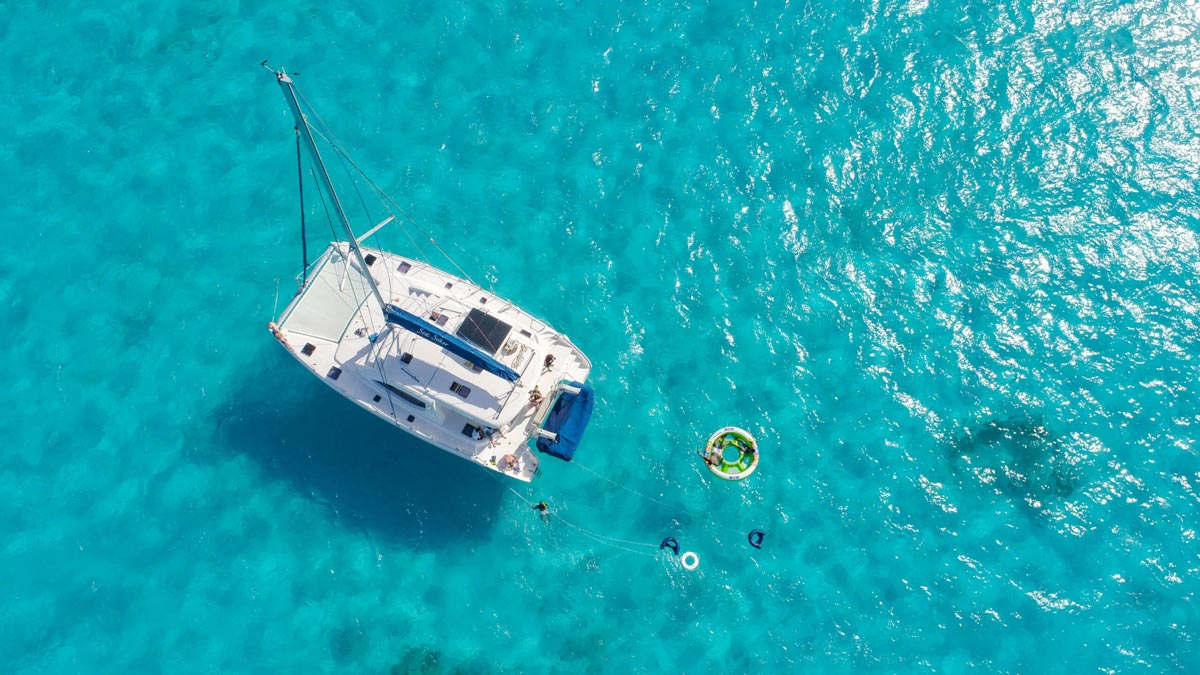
334, 329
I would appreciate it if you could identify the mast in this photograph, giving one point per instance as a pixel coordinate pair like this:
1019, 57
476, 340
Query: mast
289, 94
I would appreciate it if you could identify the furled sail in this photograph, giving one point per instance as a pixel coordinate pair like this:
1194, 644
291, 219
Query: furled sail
450, 343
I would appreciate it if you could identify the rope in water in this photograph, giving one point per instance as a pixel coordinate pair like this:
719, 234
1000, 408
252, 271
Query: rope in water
616, 542
647, 497
595, 536
620, 485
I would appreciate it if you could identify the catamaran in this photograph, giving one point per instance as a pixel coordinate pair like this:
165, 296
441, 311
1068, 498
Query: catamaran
432, 353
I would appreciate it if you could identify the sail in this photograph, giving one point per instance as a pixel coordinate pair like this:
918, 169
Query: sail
448, 342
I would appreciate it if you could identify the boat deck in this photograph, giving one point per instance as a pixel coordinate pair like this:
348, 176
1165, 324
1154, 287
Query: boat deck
335, 328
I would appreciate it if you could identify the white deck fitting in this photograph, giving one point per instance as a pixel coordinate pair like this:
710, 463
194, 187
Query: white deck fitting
335, 314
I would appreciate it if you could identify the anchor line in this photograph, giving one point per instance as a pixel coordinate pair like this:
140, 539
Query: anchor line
724, 528
614, 542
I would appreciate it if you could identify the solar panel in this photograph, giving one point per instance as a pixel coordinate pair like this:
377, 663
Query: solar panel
484, 330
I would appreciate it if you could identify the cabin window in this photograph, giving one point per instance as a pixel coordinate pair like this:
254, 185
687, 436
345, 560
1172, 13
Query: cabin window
369, 259
406, 358
404, 267
404, 395
460, 389
334, 373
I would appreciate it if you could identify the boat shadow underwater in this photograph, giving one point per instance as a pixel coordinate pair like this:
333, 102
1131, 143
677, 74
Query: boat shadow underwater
369, 474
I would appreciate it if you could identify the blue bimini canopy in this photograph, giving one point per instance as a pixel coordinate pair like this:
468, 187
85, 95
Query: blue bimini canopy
448, 342
568, 418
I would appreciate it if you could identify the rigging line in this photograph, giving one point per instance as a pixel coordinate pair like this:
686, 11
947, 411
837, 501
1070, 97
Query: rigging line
321, 195
417, 226
383, 375
330, 140
420, 252
327, 134
311, 169
362, 202
353, 290
342, 153
391, 294
327, 131
324, 208
333, 233
370, 318
303, 233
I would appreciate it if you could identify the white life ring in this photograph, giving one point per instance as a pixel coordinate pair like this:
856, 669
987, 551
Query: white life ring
689, 560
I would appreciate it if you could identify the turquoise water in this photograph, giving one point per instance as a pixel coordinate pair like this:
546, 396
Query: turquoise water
940, 258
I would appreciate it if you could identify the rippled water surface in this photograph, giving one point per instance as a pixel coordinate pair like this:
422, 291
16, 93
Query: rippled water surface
941, 258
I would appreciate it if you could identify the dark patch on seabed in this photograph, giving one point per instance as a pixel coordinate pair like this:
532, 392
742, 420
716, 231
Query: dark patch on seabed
1020, 455
425, 661
369, 473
